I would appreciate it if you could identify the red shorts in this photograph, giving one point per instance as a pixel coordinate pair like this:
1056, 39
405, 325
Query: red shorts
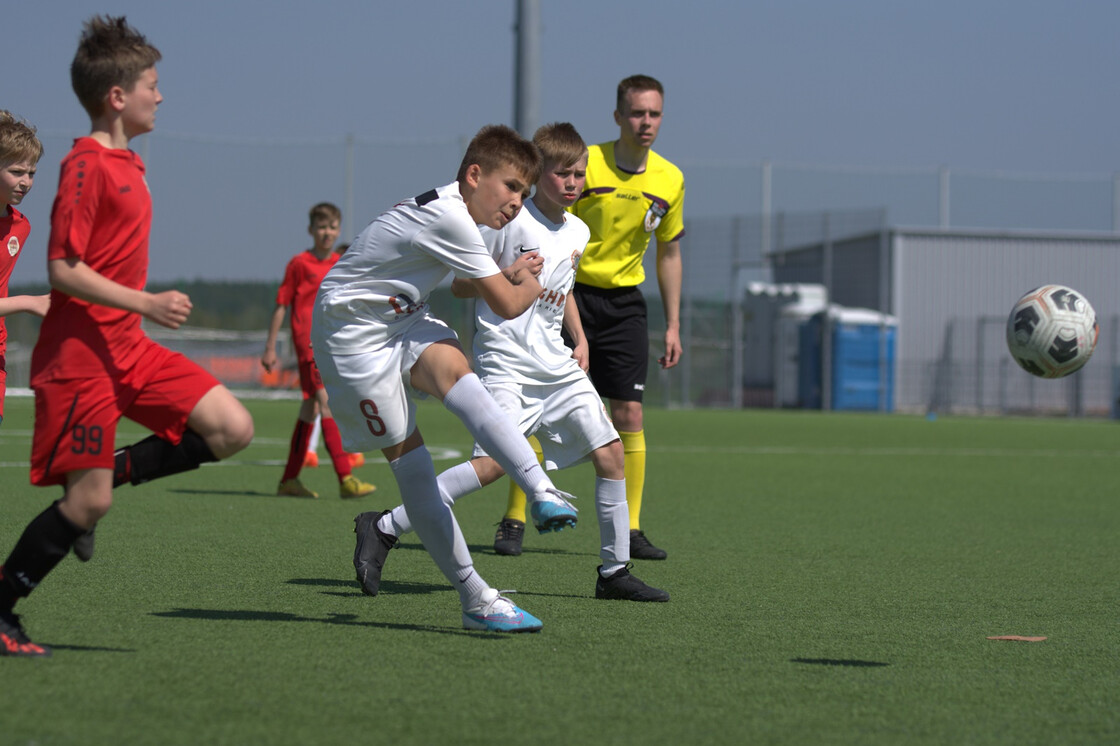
309, 379
76, 419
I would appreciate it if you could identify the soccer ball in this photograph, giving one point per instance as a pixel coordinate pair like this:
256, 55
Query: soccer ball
1052, 331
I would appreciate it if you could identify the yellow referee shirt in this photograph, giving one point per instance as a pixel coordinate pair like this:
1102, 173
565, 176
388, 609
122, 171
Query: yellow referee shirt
622, 210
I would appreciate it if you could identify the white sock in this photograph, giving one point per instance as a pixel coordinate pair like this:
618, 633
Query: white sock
316, 430
435, 524
458, 481
469, 400
614, 524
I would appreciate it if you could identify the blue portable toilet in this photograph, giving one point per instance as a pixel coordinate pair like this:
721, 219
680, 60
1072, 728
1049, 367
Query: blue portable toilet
862, 359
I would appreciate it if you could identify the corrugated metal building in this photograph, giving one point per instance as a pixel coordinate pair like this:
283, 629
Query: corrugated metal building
951, 291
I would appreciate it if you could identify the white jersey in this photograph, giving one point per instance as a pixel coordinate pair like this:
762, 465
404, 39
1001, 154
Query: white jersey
380, 286
529, 349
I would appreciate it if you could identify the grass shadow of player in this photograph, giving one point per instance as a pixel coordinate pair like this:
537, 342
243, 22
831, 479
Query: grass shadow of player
387, 586
844, 662
239, 493
348, 620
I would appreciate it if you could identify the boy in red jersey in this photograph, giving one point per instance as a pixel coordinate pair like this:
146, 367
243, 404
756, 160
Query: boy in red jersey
93, 364
20, 151
301, 281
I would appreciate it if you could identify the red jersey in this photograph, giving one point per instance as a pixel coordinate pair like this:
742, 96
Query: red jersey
302, 278
102, 215
14, 230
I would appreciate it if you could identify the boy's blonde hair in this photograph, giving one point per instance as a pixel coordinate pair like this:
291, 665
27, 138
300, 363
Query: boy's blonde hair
110, 53
17, 140
497, 145
636, 83
560, 144
323, 211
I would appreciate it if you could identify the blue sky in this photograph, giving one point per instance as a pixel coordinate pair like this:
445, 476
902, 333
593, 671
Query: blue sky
988, 84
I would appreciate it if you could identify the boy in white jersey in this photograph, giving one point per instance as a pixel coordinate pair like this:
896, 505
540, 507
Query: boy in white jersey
535, 377
376, 346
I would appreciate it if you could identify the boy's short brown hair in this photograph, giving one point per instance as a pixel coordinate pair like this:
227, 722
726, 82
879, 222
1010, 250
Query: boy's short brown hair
17, 140
560, 144
110, 53
636, 83
323, 211
497, 145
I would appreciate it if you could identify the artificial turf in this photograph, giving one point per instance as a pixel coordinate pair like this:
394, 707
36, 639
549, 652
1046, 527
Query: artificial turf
834, 577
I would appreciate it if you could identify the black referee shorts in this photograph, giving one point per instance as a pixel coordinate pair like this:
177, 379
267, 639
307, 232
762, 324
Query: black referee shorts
614, 320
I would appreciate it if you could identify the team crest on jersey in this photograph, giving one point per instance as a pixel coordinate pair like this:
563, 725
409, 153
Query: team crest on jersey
576, 256
654, 214
403, 305
13, 245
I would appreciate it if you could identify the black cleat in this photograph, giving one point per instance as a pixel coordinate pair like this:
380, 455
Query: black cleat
507, 539
622, 586
372, 549
14, 641
641, 548
83, 546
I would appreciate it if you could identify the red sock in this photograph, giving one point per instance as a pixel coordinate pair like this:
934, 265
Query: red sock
298, 450
333, 441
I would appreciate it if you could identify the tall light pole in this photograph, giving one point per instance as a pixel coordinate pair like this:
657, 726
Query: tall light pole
527, 67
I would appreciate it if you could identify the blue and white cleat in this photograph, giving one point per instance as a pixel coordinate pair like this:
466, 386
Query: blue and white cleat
551, 511
496, 613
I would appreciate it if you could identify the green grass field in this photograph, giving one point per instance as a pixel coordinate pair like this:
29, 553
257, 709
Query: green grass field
834, 580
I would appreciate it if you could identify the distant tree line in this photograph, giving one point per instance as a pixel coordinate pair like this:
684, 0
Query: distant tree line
237, 306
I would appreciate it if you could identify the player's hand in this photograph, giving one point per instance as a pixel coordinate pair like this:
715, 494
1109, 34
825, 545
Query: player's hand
169, 308
268, 359
531, 263
581, 356
673, 349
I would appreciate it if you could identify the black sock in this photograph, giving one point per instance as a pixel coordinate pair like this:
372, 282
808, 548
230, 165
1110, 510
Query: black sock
154, 457
44, 543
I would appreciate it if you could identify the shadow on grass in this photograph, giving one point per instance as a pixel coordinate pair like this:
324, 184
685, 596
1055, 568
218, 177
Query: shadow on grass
241, 493
849, 662
488, 549
348, 620
89, 648
387, 586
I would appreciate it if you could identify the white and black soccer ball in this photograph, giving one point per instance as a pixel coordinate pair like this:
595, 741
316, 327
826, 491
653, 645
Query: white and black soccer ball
1052, 331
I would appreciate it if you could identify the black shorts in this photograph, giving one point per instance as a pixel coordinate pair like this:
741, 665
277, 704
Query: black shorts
614, 321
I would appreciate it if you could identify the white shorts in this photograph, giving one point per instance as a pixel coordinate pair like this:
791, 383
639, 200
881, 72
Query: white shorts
569, 419
370, 393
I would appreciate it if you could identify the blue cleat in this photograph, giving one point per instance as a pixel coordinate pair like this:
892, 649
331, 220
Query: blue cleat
553, 513
496, 613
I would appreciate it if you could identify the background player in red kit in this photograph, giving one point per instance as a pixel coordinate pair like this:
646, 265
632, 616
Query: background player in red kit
20, 151
93, 364
302, 278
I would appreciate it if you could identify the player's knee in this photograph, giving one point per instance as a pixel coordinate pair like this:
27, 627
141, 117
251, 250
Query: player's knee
85, 507
610, 460
236, 433
487, 470
241, 430
626, 415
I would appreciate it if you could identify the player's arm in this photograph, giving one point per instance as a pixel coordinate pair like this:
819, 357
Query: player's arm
36, 304
76, 278
506, 297
574, 327
531, 263
669, 276
268, 359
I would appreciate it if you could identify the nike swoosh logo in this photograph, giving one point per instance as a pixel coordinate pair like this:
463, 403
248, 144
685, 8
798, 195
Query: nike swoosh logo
525, 250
